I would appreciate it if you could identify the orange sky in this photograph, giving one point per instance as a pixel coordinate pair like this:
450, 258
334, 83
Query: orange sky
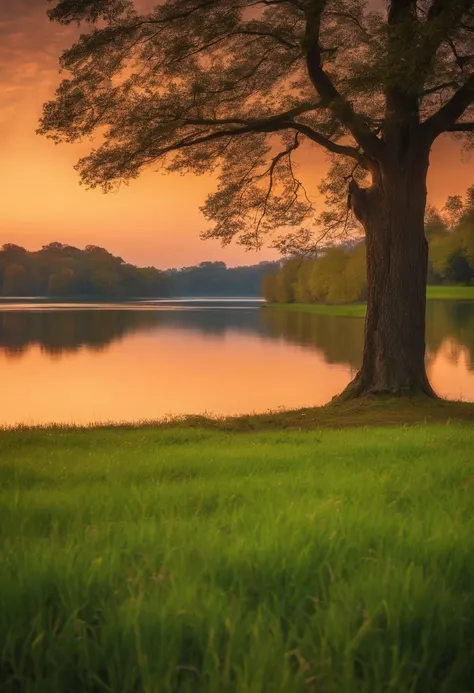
154, 221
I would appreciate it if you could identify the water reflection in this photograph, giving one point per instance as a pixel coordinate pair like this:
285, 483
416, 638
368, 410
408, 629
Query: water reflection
63, 331
449, 330
142, 360
450, 322
60, 331
340, 339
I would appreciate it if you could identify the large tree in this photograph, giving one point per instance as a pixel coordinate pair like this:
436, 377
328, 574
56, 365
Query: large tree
236, 86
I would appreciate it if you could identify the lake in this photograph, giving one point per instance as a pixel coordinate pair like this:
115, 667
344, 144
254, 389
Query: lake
97, 362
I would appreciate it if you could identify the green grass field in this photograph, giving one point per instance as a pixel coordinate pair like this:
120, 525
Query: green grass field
358, 310
205, 561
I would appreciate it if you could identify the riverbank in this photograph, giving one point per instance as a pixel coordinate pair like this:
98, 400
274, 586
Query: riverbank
358, 310
362, 412
183, 558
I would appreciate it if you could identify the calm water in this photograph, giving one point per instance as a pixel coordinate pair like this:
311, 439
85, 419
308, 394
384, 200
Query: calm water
144, 360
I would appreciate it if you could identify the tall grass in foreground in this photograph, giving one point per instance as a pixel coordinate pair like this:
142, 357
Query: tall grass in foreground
198, 561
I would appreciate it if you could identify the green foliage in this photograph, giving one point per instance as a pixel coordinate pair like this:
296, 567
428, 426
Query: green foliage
286, 278
269, 288
435, 225
355, 275
62, 270
14, 280
301, 285
278, 287
452, 249
216, 279
337, 276
204, 562
60, 283
326, 280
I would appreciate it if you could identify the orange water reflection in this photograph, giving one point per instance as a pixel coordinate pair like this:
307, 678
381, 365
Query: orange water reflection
81, 366
150, 376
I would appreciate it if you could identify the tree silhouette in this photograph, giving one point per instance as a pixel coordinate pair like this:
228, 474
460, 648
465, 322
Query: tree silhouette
241, 84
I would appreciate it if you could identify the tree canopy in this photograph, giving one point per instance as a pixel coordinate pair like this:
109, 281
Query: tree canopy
237, 86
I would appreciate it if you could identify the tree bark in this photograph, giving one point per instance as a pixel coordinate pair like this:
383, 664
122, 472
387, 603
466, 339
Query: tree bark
392, 214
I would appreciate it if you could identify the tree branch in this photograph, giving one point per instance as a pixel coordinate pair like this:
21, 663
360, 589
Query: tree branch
283, 121
305, 107
461, 60
354, 20
270, 171
447, 116
263, 126
440, 87
328, 144
325, 87
265, 34
461, 127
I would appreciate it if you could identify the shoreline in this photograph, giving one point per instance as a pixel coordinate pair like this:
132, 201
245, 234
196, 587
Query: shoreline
368, 412
358, 310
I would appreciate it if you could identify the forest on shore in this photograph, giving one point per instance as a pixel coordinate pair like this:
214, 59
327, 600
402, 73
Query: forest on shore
60, 270
334, 275
338, 273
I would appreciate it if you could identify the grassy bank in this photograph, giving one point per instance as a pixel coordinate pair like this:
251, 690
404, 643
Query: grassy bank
367, 411
450, 292
194, 560
353, 310
358, 309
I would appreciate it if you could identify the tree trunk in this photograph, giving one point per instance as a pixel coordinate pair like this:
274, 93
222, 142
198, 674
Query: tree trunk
392, 213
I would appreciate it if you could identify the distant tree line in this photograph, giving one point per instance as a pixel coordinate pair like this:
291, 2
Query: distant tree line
60, 270
216, 279
338, 274
63, 270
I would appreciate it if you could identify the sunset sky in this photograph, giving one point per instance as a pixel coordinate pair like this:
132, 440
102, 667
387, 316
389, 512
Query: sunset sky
154, 221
